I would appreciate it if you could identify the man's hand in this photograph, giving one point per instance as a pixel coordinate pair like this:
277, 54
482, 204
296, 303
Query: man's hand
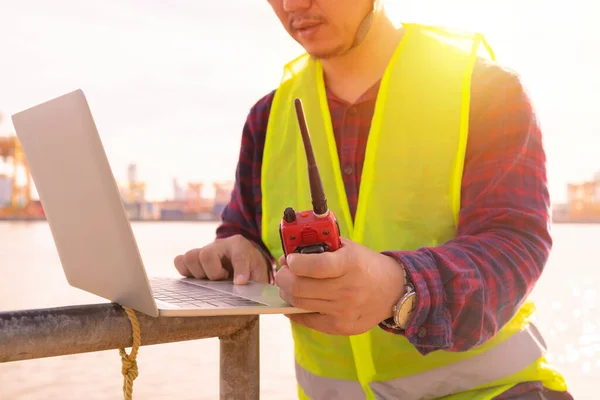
220, 259
351, 290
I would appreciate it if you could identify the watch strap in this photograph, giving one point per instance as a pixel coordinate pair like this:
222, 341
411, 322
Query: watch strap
409, 291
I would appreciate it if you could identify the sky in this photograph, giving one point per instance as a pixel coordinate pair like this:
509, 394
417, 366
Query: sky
170, 83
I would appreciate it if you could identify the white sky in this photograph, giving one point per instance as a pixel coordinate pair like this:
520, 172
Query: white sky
170, 82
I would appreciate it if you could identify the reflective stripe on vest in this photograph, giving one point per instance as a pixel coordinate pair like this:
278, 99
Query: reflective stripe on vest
508, 357
321, 388
409, 199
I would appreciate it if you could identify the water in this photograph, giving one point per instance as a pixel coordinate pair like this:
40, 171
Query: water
31, 277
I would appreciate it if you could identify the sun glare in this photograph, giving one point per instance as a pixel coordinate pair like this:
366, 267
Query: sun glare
469, 15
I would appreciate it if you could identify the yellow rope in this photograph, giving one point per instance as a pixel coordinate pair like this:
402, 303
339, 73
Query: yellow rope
128, 361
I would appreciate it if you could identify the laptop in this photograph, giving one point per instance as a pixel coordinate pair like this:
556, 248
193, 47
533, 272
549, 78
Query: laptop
91, 230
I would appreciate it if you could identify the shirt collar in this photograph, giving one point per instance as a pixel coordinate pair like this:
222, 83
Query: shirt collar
369, 95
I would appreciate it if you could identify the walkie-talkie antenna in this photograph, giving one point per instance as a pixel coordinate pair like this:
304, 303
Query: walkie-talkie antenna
319, 201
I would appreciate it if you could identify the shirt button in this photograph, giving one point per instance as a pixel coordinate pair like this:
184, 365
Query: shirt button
422, 332
352, 111
348, 170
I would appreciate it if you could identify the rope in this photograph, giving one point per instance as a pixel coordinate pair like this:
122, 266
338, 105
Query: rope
129, 367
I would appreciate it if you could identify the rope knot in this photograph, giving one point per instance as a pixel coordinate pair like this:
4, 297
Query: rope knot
129, 367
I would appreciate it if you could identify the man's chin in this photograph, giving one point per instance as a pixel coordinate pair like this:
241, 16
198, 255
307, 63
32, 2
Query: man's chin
325, 53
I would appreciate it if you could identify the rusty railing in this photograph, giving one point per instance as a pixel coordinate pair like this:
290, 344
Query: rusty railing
40, 333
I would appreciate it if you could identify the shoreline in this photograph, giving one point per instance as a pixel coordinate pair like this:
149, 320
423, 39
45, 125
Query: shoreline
5, 219
192, 220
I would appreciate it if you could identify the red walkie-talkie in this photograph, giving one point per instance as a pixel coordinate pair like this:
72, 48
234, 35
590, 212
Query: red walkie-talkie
315, 231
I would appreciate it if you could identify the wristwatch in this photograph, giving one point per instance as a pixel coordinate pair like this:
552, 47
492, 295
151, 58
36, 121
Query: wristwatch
404, 309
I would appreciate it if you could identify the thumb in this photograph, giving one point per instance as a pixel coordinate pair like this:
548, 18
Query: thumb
241, 267
345, 241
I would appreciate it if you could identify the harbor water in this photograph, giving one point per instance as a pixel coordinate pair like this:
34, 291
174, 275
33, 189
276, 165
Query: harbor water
31, 277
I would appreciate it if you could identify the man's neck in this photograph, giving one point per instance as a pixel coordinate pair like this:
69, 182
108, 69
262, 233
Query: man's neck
351, 74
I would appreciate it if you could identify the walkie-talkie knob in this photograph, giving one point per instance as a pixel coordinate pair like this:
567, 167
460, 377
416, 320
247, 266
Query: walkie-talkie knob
289, 215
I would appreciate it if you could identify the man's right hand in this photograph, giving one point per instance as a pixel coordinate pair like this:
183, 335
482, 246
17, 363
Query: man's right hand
223, 258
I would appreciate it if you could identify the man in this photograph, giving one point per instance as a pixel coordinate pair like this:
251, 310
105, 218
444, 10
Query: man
452, 215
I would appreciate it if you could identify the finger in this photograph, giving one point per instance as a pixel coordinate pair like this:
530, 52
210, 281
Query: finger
240, 262
279, 275
299, 287
282, 261
319, 266
179, 263
317, 305
192, 263
259, 268
210, 261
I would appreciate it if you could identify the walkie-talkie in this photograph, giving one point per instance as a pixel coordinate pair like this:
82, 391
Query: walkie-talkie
317, 230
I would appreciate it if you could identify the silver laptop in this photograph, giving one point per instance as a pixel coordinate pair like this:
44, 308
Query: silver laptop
92, 233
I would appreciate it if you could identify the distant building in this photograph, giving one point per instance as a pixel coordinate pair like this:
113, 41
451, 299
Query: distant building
178, 192
222, 196
132, 173
583, 203
5, 190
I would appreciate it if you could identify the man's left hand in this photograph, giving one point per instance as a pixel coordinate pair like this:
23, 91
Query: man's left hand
350, 290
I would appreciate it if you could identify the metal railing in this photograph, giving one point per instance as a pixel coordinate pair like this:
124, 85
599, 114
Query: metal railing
40, 333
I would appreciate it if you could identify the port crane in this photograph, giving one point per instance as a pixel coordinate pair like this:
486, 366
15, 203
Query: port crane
11, 151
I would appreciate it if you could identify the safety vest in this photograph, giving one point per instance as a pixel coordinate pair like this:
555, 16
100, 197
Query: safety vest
409, 198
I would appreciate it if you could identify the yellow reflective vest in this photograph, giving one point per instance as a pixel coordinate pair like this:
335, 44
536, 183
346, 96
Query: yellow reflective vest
409, 198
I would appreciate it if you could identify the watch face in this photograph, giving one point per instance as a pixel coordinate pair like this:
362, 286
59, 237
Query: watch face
406, 309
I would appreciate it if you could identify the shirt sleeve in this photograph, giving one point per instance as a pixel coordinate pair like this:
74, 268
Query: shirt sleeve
242, 214
471, 286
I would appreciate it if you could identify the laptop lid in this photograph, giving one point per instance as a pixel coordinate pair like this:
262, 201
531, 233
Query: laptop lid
82, 203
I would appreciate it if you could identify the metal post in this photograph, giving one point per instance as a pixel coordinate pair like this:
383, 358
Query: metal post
240, 366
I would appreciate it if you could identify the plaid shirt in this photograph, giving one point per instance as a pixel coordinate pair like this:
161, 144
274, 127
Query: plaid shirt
471, 286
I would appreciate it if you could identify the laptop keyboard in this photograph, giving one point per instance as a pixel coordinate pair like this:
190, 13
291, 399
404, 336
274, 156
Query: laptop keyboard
187, 295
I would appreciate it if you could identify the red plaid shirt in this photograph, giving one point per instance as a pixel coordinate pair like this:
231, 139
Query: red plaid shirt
471, 286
